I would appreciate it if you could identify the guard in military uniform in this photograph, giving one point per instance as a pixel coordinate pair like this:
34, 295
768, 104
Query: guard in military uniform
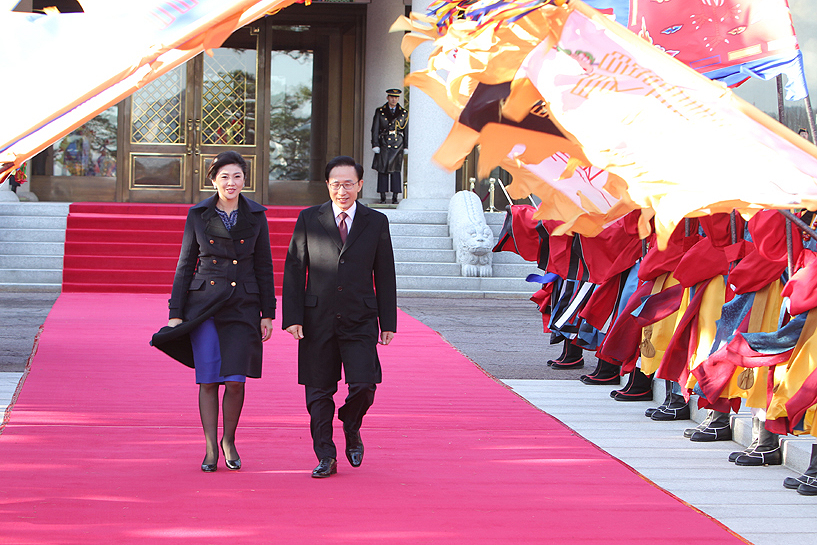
389, 143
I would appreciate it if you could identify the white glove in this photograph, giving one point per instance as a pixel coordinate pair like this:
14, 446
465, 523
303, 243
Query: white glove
405, 151
376, 149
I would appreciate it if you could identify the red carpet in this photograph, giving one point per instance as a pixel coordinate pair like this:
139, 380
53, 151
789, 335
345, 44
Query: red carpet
133, 248
104, 446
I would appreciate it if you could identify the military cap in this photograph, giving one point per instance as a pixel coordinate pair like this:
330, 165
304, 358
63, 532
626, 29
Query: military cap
393, 92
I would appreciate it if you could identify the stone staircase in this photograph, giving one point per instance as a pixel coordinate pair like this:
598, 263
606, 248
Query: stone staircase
426, 263
32, 242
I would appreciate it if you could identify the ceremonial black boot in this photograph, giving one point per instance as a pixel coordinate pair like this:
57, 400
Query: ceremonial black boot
807, 489
605, 373
574, 358
702, 426
394, 198
561, 357
807, 482
676, 409
753, 445
767, 452
639, 388
809, 478
382, 198
667, 398
717, 430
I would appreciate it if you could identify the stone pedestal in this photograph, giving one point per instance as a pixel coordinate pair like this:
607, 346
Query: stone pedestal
24, 195
6, 194
429, 186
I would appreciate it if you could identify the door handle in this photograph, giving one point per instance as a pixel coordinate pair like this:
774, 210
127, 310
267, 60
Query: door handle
197, 135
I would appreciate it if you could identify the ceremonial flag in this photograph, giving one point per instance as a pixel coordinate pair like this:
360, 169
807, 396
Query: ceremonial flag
684, 145
726, 40
78, 64
671, 141
620, 9
540, 158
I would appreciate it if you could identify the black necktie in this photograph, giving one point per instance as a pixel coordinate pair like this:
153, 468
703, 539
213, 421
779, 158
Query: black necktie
342, 227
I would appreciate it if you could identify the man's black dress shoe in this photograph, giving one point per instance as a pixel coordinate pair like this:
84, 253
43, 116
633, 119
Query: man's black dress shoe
354, 448
327, 467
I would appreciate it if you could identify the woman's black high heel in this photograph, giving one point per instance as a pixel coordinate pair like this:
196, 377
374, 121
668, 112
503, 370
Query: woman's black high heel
209, 468
231, 464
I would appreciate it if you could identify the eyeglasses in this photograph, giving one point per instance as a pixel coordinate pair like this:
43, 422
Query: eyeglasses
348, 186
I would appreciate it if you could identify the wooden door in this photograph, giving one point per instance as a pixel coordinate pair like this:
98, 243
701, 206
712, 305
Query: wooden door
181, 121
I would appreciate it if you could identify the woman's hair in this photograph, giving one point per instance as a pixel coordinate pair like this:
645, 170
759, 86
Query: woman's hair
223, 159
343, 161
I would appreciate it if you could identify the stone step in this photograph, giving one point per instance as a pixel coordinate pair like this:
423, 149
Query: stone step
427, 255
31, 276
28, 287
461, 294
30, 262
32, 235
416, 216
426, 269
32, 222
420, 243
495, 218
459, 283
422, 268
510, 257
34, 209
418, 230
515, 270
31, 248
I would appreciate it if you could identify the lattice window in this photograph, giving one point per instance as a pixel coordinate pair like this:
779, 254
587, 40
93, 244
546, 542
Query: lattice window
228, 97
157, 110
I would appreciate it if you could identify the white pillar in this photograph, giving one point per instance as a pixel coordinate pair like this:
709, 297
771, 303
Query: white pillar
429, 186
384, 70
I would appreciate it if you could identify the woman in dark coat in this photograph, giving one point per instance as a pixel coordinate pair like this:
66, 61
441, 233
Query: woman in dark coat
223, 293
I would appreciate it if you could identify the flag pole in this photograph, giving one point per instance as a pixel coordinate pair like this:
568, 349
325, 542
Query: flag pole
781, 116
803, 226
781, 105
810, 114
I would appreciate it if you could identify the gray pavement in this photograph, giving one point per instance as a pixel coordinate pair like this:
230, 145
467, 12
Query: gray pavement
21, 315
505, 338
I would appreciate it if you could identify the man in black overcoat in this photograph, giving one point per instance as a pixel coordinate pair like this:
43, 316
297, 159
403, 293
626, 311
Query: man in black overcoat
389, 143
339, 282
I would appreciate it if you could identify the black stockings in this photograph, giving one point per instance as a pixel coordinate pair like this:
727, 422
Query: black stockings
231, 403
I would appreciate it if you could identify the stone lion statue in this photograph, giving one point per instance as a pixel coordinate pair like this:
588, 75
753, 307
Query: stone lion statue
473, 239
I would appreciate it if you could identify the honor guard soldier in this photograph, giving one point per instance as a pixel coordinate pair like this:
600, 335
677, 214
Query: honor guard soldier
389, 143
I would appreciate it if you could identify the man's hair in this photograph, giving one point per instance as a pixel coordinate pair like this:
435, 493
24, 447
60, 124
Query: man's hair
222, 160
343, 161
